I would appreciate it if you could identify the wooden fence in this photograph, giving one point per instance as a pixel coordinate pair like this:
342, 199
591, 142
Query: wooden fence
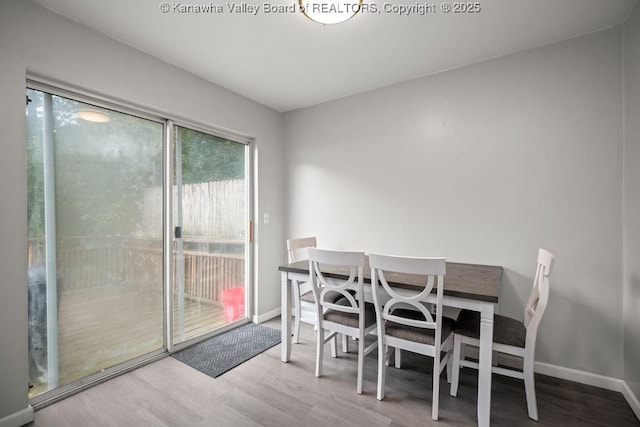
215, 209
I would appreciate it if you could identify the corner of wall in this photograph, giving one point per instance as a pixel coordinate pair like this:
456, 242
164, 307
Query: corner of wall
631, 398
631, 209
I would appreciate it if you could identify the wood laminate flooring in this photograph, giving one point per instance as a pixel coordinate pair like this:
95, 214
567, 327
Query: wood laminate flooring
266, 392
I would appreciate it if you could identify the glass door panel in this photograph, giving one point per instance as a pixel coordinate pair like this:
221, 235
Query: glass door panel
211, 218
94, 239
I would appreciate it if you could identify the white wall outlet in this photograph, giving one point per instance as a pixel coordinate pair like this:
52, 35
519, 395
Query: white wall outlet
266, 218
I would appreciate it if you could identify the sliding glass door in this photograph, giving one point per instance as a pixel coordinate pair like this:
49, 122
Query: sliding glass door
95, 273
138, 238
211, 213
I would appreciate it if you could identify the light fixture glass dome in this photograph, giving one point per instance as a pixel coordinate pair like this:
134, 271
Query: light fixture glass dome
91, 115
330, 11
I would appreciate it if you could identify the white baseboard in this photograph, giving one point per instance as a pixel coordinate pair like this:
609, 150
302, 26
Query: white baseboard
632, 399
18, 419
263, 317
581, 377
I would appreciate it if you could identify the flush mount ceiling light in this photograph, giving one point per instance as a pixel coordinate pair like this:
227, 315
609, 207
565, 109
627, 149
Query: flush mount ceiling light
95, 116
329, 11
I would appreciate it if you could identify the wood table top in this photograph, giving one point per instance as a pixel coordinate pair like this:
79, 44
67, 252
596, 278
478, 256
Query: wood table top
471, 281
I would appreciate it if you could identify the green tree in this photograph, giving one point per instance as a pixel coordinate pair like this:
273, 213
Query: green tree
207, 158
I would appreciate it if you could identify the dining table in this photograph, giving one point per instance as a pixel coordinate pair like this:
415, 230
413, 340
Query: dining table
466, 286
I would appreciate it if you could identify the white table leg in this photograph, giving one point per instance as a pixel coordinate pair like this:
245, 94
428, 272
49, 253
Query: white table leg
285, 316
484, 370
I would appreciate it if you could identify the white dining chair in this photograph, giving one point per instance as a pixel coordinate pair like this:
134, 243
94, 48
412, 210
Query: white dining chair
339, 309
510, 336
304, 308
403, 318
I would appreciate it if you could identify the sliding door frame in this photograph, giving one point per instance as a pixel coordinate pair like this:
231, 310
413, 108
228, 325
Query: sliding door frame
169, 121
249, 168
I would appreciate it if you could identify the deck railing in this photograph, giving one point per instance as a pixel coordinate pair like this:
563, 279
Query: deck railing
86, 262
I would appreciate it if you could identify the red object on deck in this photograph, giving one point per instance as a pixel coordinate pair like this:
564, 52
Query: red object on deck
233, 301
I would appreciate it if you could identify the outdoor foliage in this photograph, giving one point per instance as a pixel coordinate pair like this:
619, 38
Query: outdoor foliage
103, 169
207, 158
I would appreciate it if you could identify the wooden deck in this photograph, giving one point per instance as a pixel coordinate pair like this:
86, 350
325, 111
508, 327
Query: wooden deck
102, 327
110, 301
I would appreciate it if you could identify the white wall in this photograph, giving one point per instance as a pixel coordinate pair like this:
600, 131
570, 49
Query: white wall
632, 204
35, 40
13, 229
484, 164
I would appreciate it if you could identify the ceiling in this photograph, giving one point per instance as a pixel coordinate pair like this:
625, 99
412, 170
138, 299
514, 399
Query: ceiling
285, 61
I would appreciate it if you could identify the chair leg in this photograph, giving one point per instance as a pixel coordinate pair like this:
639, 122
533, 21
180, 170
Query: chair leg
436, 387
334, 346
297, 312
398, 358
319, 351
383, 361
530, 387
296, 325
345, 344
387, 353
455, 365
360, 363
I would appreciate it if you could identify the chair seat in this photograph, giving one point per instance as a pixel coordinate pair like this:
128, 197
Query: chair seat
419, 335
351, 319
506, 330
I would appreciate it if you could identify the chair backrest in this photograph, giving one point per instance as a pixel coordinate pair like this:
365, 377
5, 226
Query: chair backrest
383, 269
537, 303
296, 248
324, 262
